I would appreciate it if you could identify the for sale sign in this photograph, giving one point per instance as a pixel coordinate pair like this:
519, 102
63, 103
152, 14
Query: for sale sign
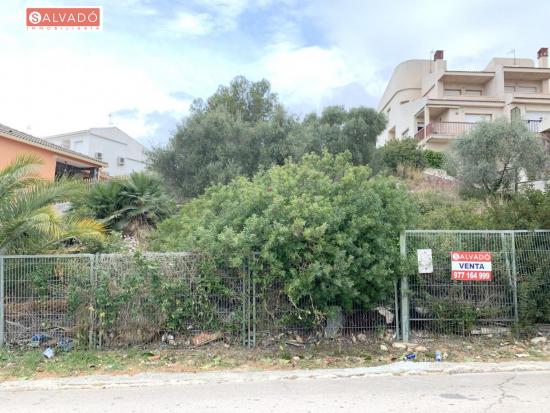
471, 266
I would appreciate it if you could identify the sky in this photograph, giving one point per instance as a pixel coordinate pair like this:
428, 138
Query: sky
153, 57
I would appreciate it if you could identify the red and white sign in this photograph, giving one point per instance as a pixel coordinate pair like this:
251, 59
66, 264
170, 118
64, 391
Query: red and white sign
471, 266
56, 18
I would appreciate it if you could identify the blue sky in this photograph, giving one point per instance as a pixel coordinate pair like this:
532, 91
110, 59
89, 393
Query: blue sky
154, 57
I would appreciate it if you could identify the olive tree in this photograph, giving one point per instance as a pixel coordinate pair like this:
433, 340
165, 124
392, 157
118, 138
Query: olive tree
492, 157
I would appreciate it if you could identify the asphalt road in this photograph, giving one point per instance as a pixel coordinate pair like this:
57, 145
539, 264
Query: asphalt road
473, 392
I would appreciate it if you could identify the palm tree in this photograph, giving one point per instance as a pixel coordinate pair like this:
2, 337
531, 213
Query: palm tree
129, 204
29, 221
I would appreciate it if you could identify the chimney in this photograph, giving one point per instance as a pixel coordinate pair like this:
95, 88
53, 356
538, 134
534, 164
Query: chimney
542, 55
438, 55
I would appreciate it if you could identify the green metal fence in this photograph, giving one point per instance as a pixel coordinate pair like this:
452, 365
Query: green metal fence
433, 302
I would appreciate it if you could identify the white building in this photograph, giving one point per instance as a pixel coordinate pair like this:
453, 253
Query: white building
121, 152
427, 101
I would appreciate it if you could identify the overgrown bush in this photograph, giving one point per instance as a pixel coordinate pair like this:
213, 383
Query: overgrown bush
133, 299
399, 153
434, 159
323, 228
446, 210
529, 209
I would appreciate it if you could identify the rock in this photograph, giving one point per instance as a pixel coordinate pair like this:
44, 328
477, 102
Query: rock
522, 355
383, 347
420, 349
387, 314
538, 340
362, 337
226, 345
354, 339
172, 342
401, 346
296, 358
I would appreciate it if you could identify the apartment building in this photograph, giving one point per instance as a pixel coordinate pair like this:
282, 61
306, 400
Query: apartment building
425, 100
121, 152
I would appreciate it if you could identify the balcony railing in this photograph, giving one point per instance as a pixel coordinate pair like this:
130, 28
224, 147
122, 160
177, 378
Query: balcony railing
444, 128
456, 128
533, 125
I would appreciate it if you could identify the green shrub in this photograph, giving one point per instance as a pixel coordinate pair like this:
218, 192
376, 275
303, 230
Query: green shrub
399, 153
446, 210
323, 228
434, 159
529, 209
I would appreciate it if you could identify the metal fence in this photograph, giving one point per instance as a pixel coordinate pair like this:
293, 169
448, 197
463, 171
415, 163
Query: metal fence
432, 302
175, 299
184, 299
276, 317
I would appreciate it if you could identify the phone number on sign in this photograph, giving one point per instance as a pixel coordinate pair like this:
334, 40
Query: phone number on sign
471, 275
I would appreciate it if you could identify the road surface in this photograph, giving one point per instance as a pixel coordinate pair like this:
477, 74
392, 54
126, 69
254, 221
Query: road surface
521, 391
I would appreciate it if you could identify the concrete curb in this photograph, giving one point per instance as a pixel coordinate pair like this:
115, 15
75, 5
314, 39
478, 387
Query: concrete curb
178, 379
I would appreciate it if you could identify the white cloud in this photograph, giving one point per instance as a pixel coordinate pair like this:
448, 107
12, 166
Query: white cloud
308, 75
193, 24
58, 90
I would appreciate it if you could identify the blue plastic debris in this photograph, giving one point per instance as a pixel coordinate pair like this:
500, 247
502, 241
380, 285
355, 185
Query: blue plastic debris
410, 356
65, 344
40, 338
438, 356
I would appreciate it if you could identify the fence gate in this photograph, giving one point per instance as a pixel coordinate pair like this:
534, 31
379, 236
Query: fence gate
481, 295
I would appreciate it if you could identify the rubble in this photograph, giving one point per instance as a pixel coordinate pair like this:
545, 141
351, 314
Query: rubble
539, 340
204, 338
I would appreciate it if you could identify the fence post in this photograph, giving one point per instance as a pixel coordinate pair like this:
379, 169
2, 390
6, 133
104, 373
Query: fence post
396, 304
514, 277
405, 321
1, 300
91, 308
252, 275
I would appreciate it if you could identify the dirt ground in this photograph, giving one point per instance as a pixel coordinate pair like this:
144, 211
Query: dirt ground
275, 354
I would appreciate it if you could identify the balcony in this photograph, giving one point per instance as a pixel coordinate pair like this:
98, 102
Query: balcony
450, 129
443, 129
534, 125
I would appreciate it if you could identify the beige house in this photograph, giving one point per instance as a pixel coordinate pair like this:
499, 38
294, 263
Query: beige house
427, 101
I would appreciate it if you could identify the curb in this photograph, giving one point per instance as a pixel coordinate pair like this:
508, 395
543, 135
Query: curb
179, 379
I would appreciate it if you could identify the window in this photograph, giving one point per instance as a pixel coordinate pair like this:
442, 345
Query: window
403, 102
477, 117
520, 89
472, 92
526, 89
515, 114
452, 92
